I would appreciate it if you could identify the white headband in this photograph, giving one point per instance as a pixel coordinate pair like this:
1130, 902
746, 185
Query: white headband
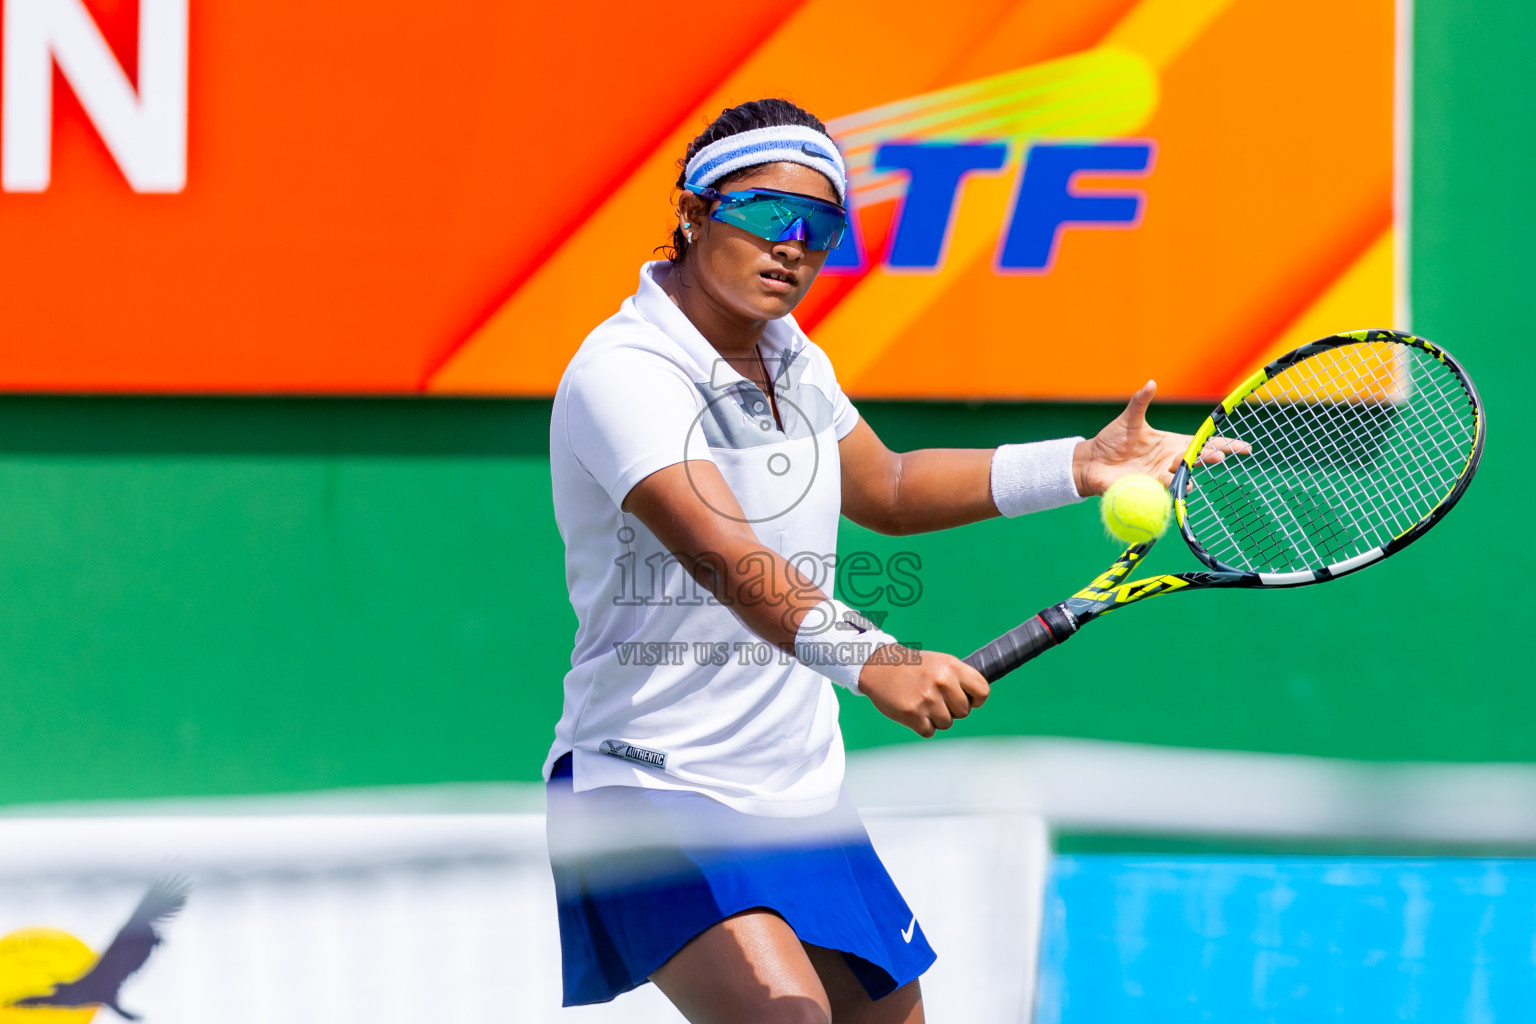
794, 144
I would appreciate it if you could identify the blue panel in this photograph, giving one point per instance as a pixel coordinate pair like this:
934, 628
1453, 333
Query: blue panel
1241, 940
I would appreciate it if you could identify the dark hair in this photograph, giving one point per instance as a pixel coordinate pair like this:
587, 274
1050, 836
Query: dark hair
744, 117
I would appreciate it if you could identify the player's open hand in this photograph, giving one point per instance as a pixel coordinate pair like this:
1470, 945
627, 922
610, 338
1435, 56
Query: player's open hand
925, 696
1129, 444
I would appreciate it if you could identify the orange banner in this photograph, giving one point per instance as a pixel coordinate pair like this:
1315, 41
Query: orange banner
1054, 199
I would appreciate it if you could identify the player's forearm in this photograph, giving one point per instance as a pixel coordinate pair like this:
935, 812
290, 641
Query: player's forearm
937, 489
940, 488
760, 586
691, 510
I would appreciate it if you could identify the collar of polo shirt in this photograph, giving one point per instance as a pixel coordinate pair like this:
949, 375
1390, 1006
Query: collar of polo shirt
781, 343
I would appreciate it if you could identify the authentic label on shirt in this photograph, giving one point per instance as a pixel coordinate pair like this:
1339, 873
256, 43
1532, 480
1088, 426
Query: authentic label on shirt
630, 752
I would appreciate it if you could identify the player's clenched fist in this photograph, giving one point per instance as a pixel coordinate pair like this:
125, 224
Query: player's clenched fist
925, 695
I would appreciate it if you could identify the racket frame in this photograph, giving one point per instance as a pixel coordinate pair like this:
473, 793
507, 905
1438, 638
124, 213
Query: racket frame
1113, 589
1215, 422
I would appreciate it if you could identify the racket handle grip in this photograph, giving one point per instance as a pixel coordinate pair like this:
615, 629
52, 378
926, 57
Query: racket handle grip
1035, 636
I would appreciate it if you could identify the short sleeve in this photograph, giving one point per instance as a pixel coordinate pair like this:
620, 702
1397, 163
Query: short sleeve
628, 413
844, 416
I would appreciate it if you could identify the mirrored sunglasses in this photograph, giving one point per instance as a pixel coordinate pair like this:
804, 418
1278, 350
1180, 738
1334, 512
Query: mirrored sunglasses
779, 216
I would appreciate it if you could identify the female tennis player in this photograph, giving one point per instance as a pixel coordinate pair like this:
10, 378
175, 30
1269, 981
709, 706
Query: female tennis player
701, 453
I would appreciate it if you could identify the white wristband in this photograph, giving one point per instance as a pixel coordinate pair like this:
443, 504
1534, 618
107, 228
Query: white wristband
836, 641
1034, 477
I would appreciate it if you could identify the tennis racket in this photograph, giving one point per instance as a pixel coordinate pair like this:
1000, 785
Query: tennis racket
1359, 443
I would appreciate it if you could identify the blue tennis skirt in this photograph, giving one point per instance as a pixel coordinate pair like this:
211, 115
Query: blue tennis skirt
640, 872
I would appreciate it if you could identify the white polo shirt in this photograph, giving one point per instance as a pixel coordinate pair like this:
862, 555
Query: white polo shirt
667, 688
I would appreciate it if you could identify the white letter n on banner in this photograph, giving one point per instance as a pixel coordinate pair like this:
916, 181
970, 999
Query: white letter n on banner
145, 131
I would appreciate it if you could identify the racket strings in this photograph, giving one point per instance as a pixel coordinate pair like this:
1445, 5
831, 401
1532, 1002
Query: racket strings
1281, 538
1446, 442
1356, 435
1351, 447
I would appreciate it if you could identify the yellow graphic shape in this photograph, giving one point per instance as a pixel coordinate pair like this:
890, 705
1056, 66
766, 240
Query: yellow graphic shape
1160, 30
1149, 38
1359, 297
32, 961
1375, 372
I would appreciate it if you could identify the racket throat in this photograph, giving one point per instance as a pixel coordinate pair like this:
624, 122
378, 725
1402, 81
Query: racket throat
1058, 621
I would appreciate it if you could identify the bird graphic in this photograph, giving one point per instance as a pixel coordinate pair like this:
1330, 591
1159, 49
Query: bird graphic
129, 950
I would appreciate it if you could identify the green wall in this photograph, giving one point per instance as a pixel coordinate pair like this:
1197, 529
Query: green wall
204, 596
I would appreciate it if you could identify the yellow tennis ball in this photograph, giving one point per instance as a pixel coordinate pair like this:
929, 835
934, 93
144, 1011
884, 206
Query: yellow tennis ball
1136, 508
